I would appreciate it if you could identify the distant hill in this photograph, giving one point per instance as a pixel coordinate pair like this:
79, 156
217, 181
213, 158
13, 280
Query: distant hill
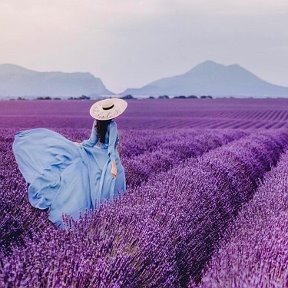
18, 81
211, 78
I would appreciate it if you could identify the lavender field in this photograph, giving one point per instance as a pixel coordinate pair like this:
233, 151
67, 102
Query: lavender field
206, 202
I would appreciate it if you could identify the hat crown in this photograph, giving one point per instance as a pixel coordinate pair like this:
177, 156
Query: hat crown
107, 103
108, 108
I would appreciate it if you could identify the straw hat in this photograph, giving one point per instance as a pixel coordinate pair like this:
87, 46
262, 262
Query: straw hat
108, 108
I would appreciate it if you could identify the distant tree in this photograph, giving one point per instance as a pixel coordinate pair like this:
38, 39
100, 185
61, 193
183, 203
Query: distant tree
44, 98
84, 97
180, 97
129, 96
21, 98
151, 97
192, 96
163, 97
57, 98
206, 97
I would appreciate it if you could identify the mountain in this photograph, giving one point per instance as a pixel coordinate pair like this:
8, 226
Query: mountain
18, 81
211, 78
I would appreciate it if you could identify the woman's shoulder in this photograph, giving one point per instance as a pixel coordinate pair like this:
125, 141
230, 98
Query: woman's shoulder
113, 123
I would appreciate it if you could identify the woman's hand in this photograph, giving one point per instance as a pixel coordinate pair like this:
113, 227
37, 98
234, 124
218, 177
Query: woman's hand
114, 169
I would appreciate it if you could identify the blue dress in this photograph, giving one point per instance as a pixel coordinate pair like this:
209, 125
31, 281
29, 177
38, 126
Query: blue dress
65, 177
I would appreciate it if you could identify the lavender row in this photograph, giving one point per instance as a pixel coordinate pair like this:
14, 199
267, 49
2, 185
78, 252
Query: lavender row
257, 154
140, 168
254, 250
156, 235
136, 142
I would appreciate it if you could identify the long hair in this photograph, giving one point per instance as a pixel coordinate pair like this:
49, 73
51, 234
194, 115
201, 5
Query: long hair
101, 129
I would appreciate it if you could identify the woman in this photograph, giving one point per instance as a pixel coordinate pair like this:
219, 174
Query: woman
66, 177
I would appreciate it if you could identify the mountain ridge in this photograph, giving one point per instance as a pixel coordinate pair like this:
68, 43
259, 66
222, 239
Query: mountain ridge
16, 80
210, 77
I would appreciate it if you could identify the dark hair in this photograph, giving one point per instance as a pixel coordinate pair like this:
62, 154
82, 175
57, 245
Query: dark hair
101, 129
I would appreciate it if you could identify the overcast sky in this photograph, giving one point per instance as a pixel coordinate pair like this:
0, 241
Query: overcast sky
129, 43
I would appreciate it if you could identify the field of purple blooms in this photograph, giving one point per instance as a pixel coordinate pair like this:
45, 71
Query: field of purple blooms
205, 206
256, 243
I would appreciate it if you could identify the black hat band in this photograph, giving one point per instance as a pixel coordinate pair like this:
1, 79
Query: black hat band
108, 107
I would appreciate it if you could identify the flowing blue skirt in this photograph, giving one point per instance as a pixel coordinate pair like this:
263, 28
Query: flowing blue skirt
63, 176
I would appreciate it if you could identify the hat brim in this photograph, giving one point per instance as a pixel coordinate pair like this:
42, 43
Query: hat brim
97, 112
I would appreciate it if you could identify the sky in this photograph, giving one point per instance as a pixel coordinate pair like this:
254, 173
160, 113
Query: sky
129, 43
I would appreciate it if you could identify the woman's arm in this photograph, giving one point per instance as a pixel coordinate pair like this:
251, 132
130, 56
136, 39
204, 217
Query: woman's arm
111, 147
